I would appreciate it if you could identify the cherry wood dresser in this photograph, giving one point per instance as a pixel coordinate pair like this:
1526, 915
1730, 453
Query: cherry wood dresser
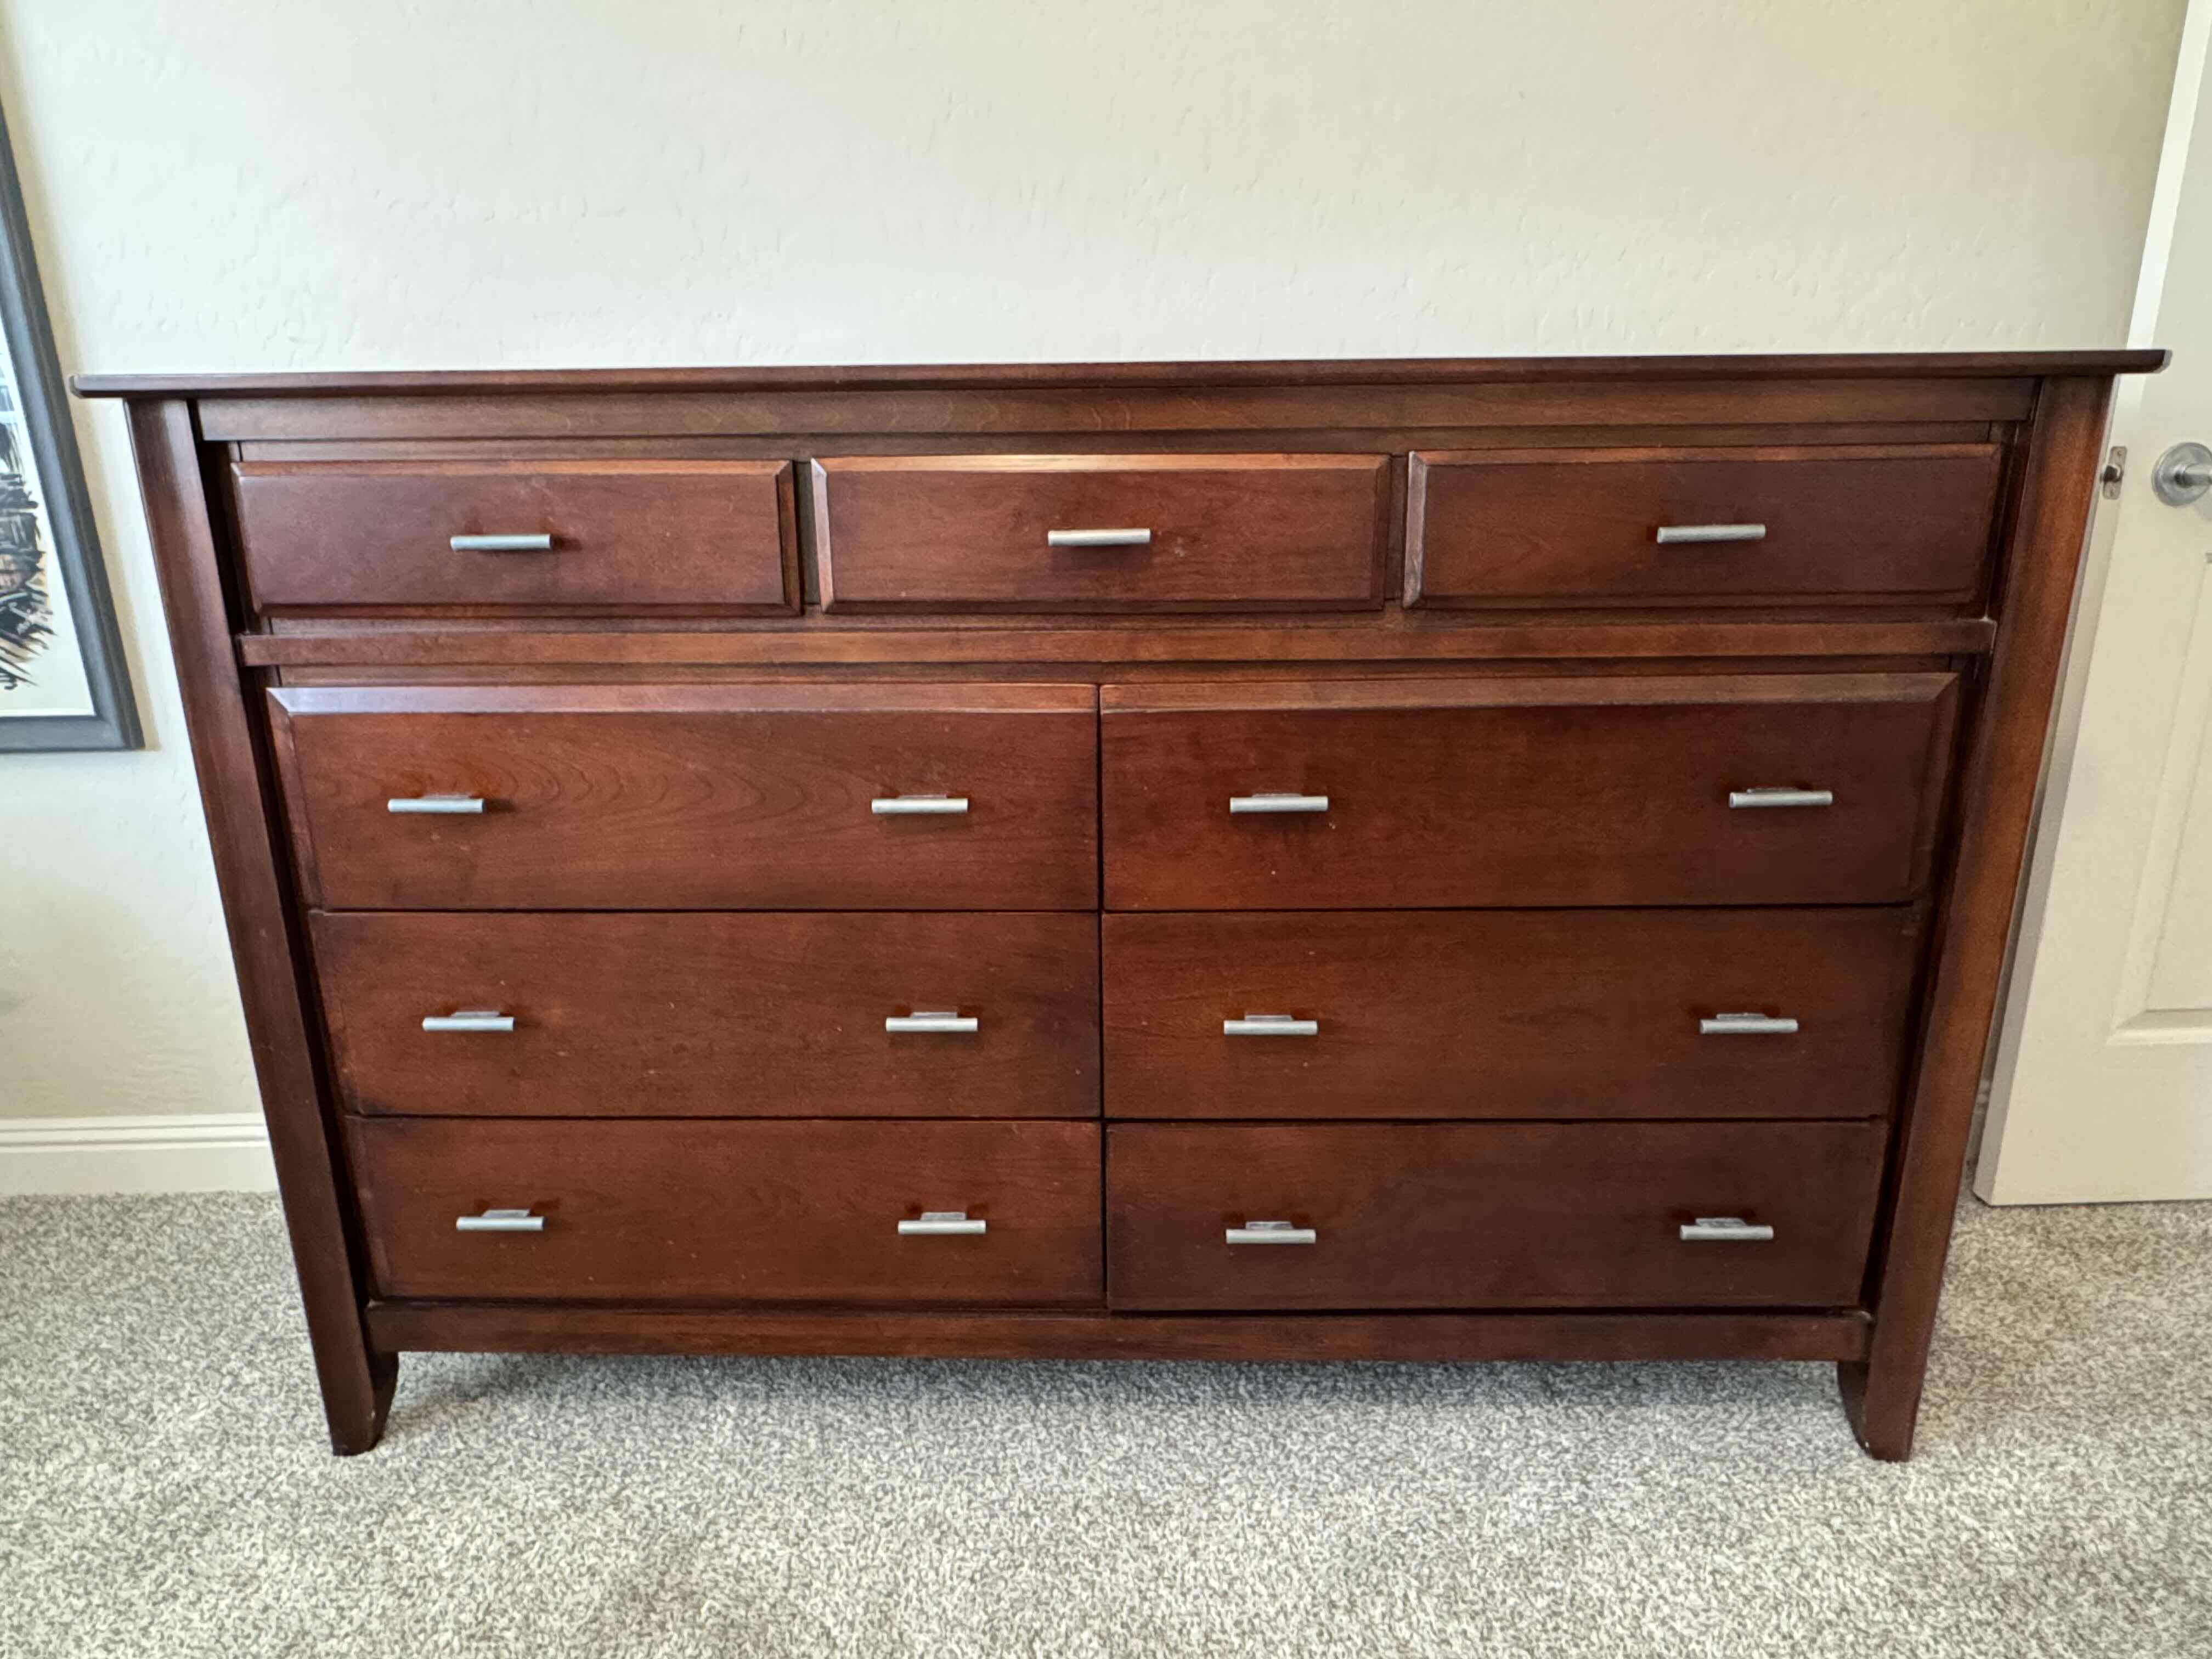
1423, 860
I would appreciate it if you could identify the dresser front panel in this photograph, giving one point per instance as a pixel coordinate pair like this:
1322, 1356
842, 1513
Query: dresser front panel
649, 796
660, 1210
1139, 533
1567, 1215
616, 534
1523, 792
767, 1014
1509, 1013
1859, 525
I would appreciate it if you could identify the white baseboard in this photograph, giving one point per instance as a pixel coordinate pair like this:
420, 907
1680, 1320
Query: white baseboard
204, 1153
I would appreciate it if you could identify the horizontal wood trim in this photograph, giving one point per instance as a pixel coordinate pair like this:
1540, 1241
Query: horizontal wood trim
1153, 642
1384, 371
1394, 439
1477, 693
1079, 412
938, 697
506, 1327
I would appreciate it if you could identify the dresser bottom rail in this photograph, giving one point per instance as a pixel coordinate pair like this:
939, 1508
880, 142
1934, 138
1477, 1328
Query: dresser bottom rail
508, 1328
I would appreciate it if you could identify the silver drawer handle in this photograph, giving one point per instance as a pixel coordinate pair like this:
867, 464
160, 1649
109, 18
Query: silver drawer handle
944, 1224
1768, 796
1725, 1230
434, 804
943, 1022
1098, 539
469, 1019
1278, 803
540, 544
500, 1221
1270, 1026
1746, 1025
905, 807
1668, 534
1271, 1232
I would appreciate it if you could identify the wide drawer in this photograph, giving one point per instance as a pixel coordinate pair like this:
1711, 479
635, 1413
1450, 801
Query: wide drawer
1100, 533
803, 797
1315, 1216
762, 1015
1770, 789
1509, 1013
535, 535
670, 1210
1699, 526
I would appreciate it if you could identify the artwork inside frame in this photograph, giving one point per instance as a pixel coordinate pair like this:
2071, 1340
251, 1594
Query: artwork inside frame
62, 682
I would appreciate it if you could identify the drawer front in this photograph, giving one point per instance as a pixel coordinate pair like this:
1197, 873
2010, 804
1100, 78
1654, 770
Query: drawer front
707, 535
1584, 527
1195, 532
1488, 1215
770, 1015
693, 797
671, 1211
1509, 1013
1527, 792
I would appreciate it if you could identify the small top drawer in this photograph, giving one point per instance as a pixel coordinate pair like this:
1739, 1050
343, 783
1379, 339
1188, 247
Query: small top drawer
1634, 527
537, 535
683, 797
1100, 533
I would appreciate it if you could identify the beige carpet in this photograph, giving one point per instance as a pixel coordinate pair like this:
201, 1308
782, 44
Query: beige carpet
164, 1492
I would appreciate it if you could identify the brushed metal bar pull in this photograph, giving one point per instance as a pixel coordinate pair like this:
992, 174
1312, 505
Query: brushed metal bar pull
1270, 1026
1277, 803
1725, 1230
1671, 534
434, 804
1271, 1232
944, 1224
945, 1022
1098, 539
1765, 795
911, 806
1746, 1025
500, 1221
537, 543
469, 1019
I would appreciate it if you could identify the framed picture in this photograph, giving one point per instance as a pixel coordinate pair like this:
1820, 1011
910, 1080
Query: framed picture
62, 683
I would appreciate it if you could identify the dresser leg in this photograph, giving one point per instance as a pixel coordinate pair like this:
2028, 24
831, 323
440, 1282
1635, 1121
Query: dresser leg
355, 1406
1882, 1410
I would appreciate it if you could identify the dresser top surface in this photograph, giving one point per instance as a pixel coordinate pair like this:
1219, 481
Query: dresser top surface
1368, 372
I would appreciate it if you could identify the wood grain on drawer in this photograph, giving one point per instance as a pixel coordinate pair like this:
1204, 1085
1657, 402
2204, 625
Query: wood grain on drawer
1509, 1013
762, 1015
1523, 792
630, 534
701, 797
1582, 527
662, 1210
1488, 1215
1203, 531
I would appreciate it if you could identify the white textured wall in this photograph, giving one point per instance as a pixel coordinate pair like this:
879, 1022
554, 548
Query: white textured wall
297, 183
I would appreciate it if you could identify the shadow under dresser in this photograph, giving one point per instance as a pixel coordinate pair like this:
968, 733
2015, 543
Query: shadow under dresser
1435, 859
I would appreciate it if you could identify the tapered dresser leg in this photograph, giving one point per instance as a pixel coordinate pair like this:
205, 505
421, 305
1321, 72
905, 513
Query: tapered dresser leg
1996, 803
1881, 1411
356, 1412
239, 794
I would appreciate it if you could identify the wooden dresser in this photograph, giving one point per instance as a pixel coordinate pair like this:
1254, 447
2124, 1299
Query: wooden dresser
1425, 861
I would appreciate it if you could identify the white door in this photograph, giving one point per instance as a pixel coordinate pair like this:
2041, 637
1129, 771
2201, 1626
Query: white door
2103, 1086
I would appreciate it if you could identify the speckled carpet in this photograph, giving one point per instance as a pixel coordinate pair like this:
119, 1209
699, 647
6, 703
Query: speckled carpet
164, 1490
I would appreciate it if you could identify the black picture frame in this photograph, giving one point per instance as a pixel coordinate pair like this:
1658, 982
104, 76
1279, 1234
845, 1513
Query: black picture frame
74, 553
